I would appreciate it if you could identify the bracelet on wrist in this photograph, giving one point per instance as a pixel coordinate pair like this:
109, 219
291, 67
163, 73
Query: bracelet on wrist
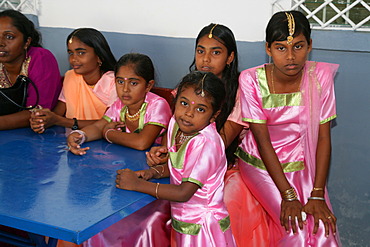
155, 169
162, 170
83, 139
106, 135
289, 195
316, 198
317, 189
156, 191
290, 200
160, 173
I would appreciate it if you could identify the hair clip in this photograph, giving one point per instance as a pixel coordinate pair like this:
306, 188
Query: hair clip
202, 82
72, 36
291, 27
210, 35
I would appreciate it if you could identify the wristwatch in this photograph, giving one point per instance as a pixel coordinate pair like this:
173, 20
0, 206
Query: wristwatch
75, 124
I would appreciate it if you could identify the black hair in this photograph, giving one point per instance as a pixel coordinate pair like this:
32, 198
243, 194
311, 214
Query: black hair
24, 25
143, 65
95, 39
206, 82
230, 76
277, 28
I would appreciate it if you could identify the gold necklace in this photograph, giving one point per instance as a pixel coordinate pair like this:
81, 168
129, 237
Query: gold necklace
272, 79
273, 83
134, 117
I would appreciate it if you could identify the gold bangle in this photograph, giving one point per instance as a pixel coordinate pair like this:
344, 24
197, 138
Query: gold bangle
289, 195
161, 175
156, 191
317, 189
152, 167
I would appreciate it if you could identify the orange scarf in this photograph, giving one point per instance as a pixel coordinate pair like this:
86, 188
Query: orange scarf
81, 101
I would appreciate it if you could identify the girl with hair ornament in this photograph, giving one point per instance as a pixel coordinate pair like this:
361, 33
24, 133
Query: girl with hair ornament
289, 105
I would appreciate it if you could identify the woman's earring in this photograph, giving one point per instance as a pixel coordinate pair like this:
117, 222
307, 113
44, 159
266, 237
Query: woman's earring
25, 49
100, 63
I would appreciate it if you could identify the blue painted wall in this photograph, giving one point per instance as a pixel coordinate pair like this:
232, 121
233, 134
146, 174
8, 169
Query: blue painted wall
350, 167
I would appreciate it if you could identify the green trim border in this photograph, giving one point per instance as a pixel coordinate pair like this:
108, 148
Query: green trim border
192, 180
258, 163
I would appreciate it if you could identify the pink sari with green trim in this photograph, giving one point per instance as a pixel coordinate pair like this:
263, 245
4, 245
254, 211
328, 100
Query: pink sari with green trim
293, 121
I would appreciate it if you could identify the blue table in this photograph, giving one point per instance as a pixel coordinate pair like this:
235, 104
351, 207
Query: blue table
46, 190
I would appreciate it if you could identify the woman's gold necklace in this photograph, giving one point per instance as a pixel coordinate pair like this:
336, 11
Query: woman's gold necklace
134, 117
273, 84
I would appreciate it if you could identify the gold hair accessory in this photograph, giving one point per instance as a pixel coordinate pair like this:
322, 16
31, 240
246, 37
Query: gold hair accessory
210, 35
73, 34
291, 27
202, 82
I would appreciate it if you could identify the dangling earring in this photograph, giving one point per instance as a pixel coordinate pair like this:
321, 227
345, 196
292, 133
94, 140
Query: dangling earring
100, 63
25, 49
228, 66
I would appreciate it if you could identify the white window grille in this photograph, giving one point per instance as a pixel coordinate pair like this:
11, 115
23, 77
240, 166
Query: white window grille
331, 14
24, 6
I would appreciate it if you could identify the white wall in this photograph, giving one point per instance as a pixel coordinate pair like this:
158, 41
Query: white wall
173, 18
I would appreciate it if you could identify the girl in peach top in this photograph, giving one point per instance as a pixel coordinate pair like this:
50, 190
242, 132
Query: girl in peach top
88, 88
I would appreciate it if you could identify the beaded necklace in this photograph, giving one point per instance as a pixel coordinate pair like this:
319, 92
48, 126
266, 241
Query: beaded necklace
183, 138
134, 117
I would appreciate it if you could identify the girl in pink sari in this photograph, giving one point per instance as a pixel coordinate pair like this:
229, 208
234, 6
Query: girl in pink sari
197, 165
88, 88
284, 160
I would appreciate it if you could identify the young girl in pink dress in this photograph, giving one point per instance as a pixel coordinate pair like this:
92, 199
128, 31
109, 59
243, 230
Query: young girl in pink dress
88, 88
197, 165
137, 118
284, 159
216, 52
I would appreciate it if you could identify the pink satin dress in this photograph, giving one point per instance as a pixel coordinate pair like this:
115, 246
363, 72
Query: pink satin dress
155, 110
149, 226
203, 220
247, 216
292, 120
